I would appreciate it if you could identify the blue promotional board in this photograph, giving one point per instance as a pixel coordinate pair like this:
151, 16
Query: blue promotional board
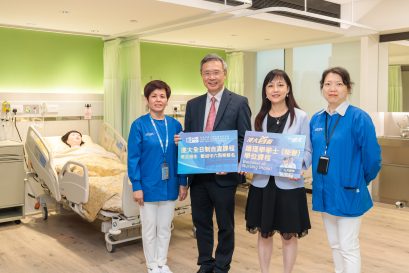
207, 152
272, 154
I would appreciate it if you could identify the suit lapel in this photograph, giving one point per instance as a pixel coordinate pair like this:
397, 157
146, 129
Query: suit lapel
226, 97
201, 108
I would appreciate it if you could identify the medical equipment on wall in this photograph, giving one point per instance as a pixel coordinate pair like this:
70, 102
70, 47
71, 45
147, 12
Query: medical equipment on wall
8, 122
88, 116
87, 111
5, 107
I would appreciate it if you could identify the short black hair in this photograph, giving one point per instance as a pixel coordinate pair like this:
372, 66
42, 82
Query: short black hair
64, 138
342, 72
156, 84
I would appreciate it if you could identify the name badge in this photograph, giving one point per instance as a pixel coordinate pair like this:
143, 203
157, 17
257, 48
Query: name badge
323, 164
165, 171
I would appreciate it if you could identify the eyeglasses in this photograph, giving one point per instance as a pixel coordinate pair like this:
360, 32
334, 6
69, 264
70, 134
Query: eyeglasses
336, 84
215, 73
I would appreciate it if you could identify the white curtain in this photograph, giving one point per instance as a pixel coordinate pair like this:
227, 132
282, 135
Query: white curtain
122, 83
235, 72
112, 98
395, 88
130, 83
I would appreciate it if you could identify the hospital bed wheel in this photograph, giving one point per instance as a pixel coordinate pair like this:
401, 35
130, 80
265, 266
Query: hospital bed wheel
115, 231
110, 247
17, 222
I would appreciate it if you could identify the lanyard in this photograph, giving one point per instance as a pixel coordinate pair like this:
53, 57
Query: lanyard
164, 149
327, 139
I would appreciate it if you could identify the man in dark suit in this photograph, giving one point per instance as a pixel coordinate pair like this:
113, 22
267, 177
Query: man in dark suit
217, 110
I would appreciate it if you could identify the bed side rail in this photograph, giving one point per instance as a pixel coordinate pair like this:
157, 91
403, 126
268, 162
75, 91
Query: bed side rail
113, 142
40, 160
73, 186
129, 207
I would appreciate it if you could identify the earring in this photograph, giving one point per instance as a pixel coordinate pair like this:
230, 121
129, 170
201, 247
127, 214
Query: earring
287, 95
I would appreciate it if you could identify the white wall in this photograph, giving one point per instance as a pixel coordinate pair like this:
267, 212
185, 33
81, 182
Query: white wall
347, 55
368, 100
383, 52
308, 64
266, 61
250, 73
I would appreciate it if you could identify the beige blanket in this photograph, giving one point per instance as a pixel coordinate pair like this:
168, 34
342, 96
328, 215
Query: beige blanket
101, 190
106, 174
97, 165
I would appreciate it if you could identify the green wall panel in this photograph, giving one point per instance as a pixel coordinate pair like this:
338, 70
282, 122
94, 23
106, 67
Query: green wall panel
34, 61
178, 66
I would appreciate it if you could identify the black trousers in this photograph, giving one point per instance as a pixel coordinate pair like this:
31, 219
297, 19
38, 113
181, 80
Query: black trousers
207, 196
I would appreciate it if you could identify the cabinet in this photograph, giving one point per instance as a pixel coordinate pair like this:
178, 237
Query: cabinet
393, 182
12, 176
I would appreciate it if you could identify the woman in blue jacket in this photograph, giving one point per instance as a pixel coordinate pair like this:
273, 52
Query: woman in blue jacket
279, 204
152, 169
346, 157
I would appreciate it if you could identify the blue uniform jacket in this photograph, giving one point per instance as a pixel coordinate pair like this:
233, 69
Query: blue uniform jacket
145, 157
354, 160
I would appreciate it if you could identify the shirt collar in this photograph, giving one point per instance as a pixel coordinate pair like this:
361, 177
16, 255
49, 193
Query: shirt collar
341, 109
218, 96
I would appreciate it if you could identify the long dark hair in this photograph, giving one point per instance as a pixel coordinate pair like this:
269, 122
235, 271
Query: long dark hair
266, 104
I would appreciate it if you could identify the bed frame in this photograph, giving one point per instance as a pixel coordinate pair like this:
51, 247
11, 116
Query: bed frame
72, 190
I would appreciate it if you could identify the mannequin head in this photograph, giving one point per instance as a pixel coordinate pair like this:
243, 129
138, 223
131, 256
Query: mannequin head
73, 139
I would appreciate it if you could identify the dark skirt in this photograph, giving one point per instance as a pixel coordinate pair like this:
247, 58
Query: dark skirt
271, 209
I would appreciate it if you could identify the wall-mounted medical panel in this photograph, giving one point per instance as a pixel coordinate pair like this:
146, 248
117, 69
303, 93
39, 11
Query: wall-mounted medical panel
53, 104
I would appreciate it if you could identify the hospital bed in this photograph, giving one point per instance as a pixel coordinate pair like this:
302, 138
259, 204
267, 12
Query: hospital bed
72, 185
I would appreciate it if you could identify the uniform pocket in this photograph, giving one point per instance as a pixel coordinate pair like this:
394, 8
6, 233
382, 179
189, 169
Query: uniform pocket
349, 200
349, 184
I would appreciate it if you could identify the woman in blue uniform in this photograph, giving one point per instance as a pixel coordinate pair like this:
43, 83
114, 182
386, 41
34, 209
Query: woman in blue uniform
346, 157
152, 169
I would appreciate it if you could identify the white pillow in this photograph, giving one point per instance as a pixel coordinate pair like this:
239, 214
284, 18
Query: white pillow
56, 145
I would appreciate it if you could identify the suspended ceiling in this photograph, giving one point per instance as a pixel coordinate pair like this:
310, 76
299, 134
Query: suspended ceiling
179, 22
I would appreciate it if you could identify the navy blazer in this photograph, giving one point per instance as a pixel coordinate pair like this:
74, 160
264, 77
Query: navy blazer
233, 114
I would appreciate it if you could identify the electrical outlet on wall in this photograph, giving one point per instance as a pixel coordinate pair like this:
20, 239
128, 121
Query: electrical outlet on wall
18, 107
26, 109
31, 109
35, 108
